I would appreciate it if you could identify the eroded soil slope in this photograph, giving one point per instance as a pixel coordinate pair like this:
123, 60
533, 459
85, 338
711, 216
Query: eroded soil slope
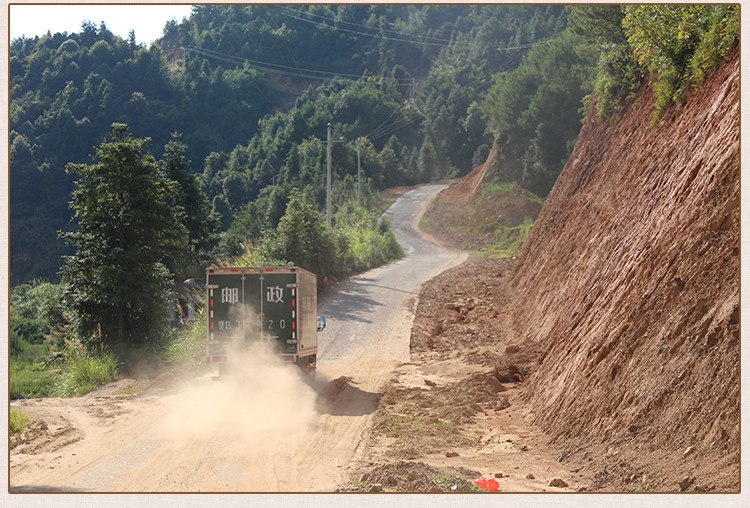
478, 213
629, 284
607, 357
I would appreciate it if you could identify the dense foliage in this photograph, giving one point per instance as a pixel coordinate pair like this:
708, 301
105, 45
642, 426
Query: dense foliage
118, 279
37, 320
249, 88
675, 46
680, 44
533, 112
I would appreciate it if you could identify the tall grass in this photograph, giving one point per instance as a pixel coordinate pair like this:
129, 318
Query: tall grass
509, 241
83, 374
187, 347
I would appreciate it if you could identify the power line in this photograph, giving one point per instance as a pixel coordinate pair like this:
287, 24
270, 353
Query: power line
282, 37
368, 27
421, 43
396, 109
281, 53
383, 129
252, 82
285, 69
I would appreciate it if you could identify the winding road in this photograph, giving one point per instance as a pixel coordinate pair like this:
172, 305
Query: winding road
267, 431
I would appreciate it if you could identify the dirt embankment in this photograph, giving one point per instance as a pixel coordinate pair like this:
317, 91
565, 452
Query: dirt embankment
629, 284
480, 213
614, 339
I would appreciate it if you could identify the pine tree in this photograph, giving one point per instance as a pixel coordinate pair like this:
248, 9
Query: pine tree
118, 285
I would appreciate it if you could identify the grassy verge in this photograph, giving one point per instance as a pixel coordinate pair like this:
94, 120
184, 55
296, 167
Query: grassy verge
509, 241
28, 375
187, 347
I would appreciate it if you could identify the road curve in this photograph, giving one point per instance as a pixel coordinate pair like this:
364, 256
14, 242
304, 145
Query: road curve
372, 312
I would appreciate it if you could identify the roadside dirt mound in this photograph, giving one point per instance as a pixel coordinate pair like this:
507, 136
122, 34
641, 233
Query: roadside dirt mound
41, 436
461, 315
455, 406
629, 282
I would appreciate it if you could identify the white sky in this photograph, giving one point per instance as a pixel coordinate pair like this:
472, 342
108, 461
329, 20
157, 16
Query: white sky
146, 20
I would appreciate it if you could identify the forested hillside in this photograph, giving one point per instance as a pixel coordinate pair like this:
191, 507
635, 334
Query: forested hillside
249, 88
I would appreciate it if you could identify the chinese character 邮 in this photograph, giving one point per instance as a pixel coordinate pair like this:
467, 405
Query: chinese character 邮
229, 295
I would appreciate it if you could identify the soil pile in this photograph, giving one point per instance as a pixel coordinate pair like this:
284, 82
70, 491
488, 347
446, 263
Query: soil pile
629, 284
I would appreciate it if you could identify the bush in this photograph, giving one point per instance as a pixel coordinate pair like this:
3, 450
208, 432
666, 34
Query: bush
618, 76
680, 44
302, 237
188, 347
17, 421
369, 238
84, 372
36, 310
509, 241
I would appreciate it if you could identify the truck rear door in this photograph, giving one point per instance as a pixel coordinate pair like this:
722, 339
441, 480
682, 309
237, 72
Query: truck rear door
279, 308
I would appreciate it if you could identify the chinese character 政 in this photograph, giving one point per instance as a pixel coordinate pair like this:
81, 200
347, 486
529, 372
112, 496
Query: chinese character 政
229, 295
275, 294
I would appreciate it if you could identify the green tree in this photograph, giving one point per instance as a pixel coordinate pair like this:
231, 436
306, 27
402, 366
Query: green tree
118, 285
302, 237
193, 208
222, 212
680, 44
533, 112
244, 231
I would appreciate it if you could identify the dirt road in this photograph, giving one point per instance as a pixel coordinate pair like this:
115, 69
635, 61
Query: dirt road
266, 431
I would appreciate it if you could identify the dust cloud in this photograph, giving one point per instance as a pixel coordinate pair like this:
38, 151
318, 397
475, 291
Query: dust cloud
259, 395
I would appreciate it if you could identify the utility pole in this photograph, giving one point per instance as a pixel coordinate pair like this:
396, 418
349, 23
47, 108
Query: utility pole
328, 176
328, 171
359, 180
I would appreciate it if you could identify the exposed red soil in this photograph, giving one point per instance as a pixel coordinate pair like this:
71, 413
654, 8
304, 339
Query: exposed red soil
619, 321
466, 215
630, 281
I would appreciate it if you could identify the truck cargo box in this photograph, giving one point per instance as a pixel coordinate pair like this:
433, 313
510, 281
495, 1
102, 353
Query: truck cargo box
273, 305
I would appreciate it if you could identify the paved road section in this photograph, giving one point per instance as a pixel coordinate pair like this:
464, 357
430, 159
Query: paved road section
373, 311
